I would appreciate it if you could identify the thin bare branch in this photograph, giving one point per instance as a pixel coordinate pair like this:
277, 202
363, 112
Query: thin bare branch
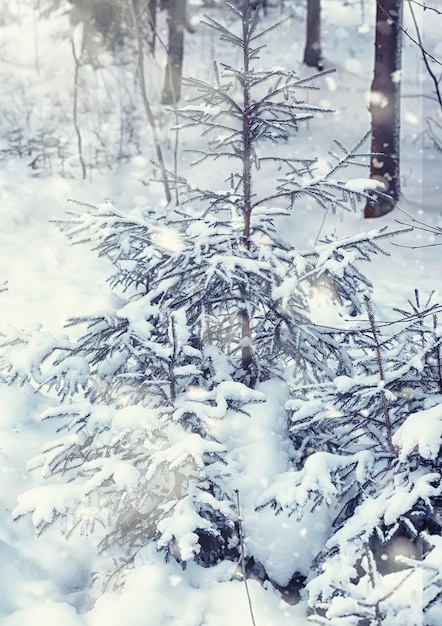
425, 54
426, 7
407, 34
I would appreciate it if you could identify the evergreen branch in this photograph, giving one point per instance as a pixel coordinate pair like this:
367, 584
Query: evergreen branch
379, 360
348, 154
225, 33
208, 155
297, 83
219, 92
269, 29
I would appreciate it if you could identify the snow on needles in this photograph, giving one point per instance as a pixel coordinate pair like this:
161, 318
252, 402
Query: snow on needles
421, 432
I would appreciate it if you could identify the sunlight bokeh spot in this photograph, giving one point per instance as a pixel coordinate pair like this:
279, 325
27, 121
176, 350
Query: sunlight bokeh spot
168, 239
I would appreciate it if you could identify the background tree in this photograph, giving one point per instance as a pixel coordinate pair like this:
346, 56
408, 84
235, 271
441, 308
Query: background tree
152, 9
176, 20
433, 67
312, 50
385, 106
103, 20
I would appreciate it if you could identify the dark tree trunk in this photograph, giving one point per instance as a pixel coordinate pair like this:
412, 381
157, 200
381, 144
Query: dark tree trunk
107, 18
247, 161
385, 106
312, 51
152, 6
176, 10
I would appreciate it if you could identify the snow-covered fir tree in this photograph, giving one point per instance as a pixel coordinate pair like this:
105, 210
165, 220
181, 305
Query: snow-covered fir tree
205, 380
369, 449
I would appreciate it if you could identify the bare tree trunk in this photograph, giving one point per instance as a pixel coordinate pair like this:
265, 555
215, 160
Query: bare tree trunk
152, 6
176, 10
146, 103
246, 347
385, 106
151, 10
312, 50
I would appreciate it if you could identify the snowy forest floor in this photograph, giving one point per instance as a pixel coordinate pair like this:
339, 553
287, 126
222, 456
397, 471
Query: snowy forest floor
48, 281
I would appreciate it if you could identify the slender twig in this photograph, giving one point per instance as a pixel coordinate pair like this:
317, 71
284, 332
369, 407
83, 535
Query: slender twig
324, 217
416, 221
419, 95
426, 7
407, 34
243, 561
437, 140
425, 54
75, 110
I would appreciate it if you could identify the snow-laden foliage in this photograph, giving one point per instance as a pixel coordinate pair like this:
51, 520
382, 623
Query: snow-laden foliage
369, 445
146, 382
